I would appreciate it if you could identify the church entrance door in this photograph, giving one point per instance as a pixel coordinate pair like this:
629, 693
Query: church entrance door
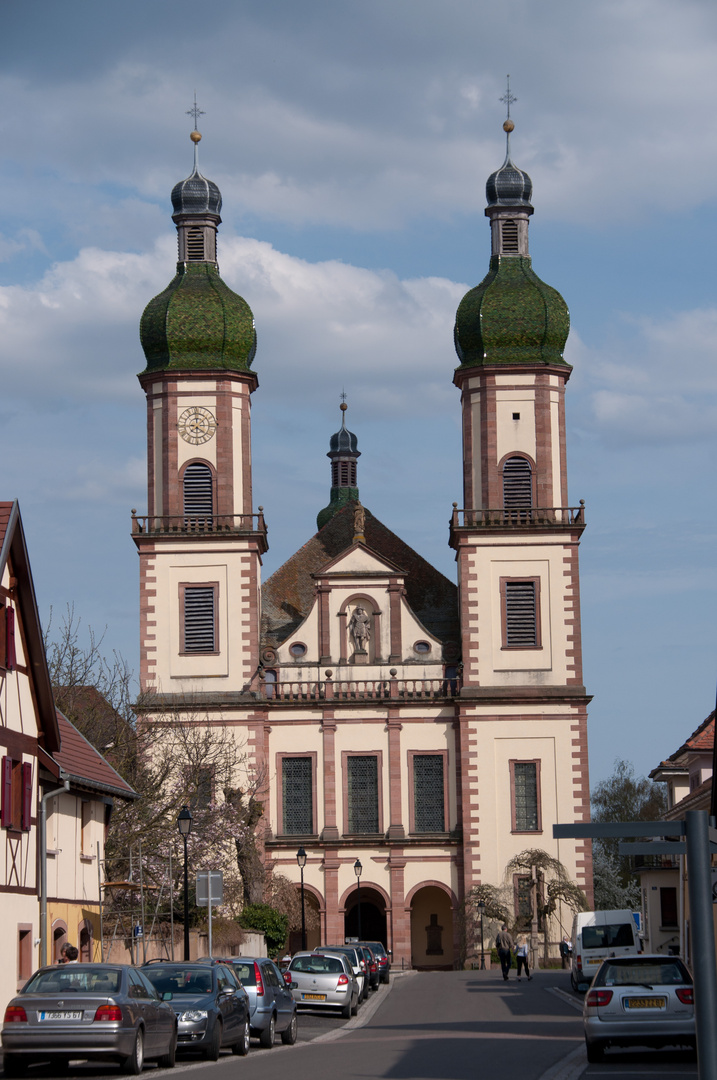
373, 916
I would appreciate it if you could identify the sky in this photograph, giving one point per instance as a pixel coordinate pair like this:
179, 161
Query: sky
351, 142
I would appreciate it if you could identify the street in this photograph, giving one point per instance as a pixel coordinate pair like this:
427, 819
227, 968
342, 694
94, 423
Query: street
440, 1026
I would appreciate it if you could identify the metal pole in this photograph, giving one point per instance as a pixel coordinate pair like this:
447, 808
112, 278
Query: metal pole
171, 902
141, 897
482, 953
699, 884
186, 904
100, 893
358, 886
303, 914
209, 909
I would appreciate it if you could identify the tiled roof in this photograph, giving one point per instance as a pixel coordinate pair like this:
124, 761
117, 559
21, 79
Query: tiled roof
288, 595
85, 765
5, 511
701, 740
699, 799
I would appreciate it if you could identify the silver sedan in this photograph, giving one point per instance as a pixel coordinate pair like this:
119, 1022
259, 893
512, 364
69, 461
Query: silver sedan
106, 1011
639, 1001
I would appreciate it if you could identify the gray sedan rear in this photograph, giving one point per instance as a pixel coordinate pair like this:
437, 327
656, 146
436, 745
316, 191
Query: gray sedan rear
324, 980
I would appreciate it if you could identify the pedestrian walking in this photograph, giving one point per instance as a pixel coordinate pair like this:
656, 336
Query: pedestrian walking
566, 950
504, 945
521, 956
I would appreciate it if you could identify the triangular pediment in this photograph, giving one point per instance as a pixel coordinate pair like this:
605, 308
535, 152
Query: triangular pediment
359, 559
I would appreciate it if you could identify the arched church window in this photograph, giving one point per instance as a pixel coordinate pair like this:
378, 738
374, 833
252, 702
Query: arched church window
517, 483
509, 234
198, 490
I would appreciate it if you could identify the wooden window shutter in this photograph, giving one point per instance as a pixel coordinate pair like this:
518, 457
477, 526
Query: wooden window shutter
10, 653
6, 811
520, 613
26, 796
199, 625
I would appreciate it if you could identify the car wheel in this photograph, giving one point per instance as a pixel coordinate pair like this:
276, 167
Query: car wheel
167, 1061
346, 1012
288, 1037
212, 1051
242, 1047
14, 1065
595, 1051
135, 1062
354, 1007
266, 1039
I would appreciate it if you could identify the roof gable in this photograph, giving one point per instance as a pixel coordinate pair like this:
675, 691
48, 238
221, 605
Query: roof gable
85, 765
359, 559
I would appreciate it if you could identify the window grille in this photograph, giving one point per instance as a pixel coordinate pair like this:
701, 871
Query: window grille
198, 490
510, 236
195, 245
362, 789
525, 779
428, 801
297, 796
517, 483
199, 631
521, 626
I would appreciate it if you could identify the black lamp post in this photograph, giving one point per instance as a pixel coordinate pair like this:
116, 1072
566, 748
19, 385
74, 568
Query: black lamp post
481, 909
184, 824
357, 871
301, 860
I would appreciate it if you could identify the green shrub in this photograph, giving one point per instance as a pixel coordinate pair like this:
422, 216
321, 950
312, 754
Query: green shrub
264, 919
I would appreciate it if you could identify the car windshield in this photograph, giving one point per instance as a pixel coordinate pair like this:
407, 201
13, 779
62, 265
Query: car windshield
73, 978
610, 936
179, 980
377, 948
245, 973
350, 953
318, 965
647, 972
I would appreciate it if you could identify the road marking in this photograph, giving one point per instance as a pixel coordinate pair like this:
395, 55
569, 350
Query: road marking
565, 996
570, 1067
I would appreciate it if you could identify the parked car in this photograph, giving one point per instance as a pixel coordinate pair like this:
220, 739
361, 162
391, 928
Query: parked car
382, 959
211, 1006
359, 968
324, 980
372, 968
272, 1007
105, 1011
639, 1001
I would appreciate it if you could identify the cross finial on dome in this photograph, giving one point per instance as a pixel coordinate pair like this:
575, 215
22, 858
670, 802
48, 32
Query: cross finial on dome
195, 135
508, 125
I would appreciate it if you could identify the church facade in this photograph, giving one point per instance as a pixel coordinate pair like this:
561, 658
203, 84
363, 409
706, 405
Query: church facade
410, 733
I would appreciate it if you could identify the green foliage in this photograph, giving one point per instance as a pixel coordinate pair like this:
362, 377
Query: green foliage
265, 919
622, 797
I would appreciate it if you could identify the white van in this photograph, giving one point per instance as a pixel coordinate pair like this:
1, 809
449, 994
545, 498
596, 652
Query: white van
596, 935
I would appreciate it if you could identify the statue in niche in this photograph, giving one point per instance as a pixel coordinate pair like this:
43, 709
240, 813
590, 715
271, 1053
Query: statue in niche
360, 628
434, 946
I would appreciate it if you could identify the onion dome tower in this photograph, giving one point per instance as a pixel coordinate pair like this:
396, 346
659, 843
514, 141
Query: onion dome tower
512, 317
200, 545
344, 453
197, 322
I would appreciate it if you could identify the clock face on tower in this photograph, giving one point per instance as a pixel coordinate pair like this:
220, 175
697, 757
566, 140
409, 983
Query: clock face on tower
196, 425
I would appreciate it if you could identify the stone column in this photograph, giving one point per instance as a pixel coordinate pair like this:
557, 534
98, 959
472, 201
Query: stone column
328, 729
396, 830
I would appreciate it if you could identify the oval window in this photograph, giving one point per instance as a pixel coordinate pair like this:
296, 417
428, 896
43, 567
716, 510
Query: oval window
297, 649
422, 647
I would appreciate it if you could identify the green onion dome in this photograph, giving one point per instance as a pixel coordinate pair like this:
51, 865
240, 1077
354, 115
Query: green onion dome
512, 317
198, 322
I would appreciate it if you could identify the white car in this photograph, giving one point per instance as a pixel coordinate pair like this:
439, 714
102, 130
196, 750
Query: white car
639, 1001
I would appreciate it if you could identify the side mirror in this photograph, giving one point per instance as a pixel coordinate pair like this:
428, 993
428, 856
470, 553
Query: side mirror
167, 995
389, 952
293, 986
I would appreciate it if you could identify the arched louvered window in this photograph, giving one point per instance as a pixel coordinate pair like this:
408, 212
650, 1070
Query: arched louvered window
195, 245
198, 495
517, 483
509, 233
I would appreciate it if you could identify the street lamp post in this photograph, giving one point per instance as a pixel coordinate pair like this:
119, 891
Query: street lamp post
357, 871
184, 824
301, 860
481, 910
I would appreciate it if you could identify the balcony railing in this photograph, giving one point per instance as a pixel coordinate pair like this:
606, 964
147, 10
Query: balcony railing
360, 689
528, 517
188, 524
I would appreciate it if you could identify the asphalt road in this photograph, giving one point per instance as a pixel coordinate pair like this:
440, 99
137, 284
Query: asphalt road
437, 1026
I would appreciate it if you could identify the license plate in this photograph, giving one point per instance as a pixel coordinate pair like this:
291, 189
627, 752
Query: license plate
59, 1015
645, 1003
313, 997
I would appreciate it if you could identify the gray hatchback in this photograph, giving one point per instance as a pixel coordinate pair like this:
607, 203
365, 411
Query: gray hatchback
272, 1007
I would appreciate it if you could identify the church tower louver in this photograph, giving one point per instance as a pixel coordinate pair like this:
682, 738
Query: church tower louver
200, 544
419, 733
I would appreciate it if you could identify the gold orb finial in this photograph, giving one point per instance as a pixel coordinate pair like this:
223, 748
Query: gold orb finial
508, 126
343, 406
195, 136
